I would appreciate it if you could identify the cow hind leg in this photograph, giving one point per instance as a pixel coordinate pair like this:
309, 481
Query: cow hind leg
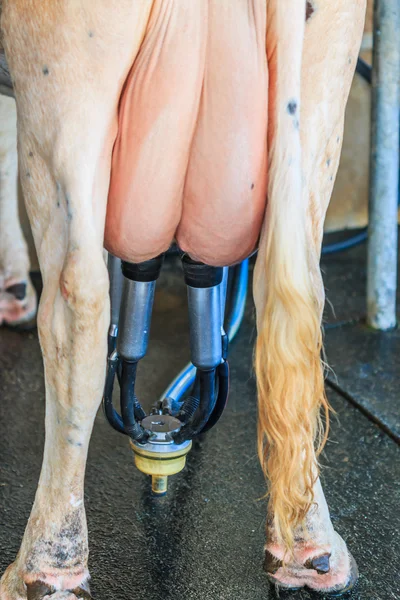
67, 127
72, 322
17, 295
302, 548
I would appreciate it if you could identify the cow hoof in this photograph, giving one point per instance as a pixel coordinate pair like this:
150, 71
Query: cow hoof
18, 306
22, 326
351, 584
12, 587
322, 576
42, 591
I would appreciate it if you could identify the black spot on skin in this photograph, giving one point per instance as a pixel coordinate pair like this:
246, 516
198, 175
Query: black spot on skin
43, 546
309, 10
73, 425
28, 174
252, 186
60, 557
68, 202
292, 107
29, 565
328, 162
67, 549
77, 563
58, 185
60, 200
18, 290
349, 60
331, 178
91, 34
338, 139
31, 154
45, 70
73, 532
70, 546
71, 442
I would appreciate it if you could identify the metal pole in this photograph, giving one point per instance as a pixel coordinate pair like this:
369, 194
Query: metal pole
384, 175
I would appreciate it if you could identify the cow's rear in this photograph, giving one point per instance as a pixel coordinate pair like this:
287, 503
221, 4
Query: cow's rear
76, 70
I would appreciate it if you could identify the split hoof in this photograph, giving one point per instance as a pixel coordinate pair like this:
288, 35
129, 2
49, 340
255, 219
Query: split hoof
294, 577
12, 587
351, 584
42, 591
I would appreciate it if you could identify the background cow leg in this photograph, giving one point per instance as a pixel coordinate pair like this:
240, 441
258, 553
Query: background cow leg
17, 295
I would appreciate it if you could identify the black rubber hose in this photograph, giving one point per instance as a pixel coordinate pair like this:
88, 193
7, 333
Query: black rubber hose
223, 394
205, 408
110, 413
222, 398
351, 242
129, 402
188, 409
196, 387
200, 275
191, 404
364, 69
207, 400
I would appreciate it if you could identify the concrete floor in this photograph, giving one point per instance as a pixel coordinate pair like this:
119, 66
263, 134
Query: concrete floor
204, 540
366, 362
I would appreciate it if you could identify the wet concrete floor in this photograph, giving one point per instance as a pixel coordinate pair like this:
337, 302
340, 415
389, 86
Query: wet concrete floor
366, 362
204, 540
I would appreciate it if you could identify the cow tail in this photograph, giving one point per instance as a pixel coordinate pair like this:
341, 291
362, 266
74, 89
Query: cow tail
288, 365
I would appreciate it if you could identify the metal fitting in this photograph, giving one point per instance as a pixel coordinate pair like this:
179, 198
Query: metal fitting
160, 457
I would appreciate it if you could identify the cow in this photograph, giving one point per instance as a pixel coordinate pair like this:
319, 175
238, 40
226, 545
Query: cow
17, 295
217, 124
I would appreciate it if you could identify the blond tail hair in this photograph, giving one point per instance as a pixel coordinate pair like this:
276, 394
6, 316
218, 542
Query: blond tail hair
288, 365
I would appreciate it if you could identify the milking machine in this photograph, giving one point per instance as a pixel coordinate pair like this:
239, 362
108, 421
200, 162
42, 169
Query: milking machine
195, 400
